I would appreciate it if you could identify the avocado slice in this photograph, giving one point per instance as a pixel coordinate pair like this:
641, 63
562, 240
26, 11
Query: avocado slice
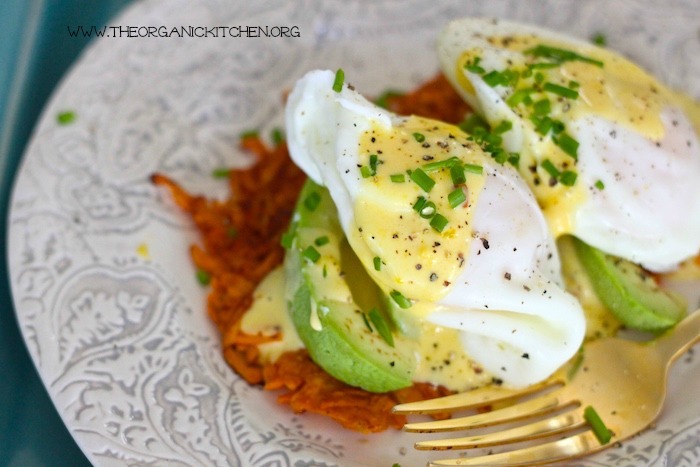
629, 291
340, 323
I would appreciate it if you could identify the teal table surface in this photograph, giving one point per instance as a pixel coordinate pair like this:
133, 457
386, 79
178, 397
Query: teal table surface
35, 51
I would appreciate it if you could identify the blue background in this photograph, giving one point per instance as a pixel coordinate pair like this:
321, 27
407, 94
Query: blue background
35, 52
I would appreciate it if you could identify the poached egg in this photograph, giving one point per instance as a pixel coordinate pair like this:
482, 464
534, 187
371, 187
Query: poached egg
453, 237
607, 149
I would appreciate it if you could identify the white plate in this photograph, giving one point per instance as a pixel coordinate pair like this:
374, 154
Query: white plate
102, 282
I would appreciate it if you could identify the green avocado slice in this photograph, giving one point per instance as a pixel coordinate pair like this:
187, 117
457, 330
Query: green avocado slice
338, 322
629, 291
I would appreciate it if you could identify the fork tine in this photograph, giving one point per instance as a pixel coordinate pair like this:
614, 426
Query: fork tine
566, 448
528, 409
472, 399
567, 422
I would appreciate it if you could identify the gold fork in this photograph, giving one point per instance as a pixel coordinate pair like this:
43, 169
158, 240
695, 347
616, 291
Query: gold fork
623, 382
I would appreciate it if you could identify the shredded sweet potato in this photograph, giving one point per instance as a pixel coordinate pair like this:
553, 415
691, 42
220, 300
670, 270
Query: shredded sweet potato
241, 245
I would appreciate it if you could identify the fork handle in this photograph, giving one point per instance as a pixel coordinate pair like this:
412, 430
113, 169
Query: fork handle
680, 338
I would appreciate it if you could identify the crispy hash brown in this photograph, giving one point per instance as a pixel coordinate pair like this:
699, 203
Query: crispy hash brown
240, 239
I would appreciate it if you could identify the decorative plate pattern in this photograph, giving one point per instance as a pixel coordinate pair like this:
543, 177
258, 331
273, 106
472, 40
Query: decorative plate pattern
102, 283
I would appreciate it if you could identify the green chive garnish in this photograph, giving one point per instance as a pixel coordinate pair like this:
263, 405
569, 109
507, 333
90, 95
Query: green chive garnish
493, 78
381, 326
220, 173
519, 96
377, 263
339, 80
514, 159
550, 168
428, 210
311, 254
419, 137
600, 185
443, 164
203, 277
542, 107
397, 178
312, 201
560, 90
438, 222
456, 198
457, 174
249, 134
567, 144
472, 122
365, 171
287, 239
366, 320
568, 177
399, 299
320, 241
474, 168
474, 67
504, 126
600, 431
66, 118
560, 55
420, 202
277, 136
383, 99
600, 39
373, 161
422, 179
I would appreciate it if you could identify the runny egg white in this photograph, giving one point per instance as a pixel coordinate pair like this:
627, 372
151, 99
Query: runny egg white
477, 257
607, 149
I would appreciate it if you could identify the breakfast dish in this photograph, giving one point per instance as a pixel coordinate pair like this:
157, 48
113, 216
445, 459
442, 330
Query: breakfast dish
109, 308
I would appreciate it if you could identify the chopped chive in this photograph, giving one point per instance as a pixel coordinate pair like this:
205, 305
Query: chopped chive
504, 126
249, 134
574, 84
312, 201
203, 277
325, 271
456, 198
287, 239
323, 240
366, 320
599, 39
599, 184
277, 136
420, 137
428, 210
397, 178
600, 431
365, 171
539, 77
557, 126
474, 168
373, 161
550, 168
541, 66
493, 78
457, 174
377, 263
510, 77
560, 55
422, 179
542, 107
399, 299
472, 122
311, 254
443, 164
514, 159
474, 66
567, 144
220, 172
420, 202
542, 124
65, 118
438, 222
560, 90
568, 178
383, 99
339, 79
381, 326
576, 364
518, 97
